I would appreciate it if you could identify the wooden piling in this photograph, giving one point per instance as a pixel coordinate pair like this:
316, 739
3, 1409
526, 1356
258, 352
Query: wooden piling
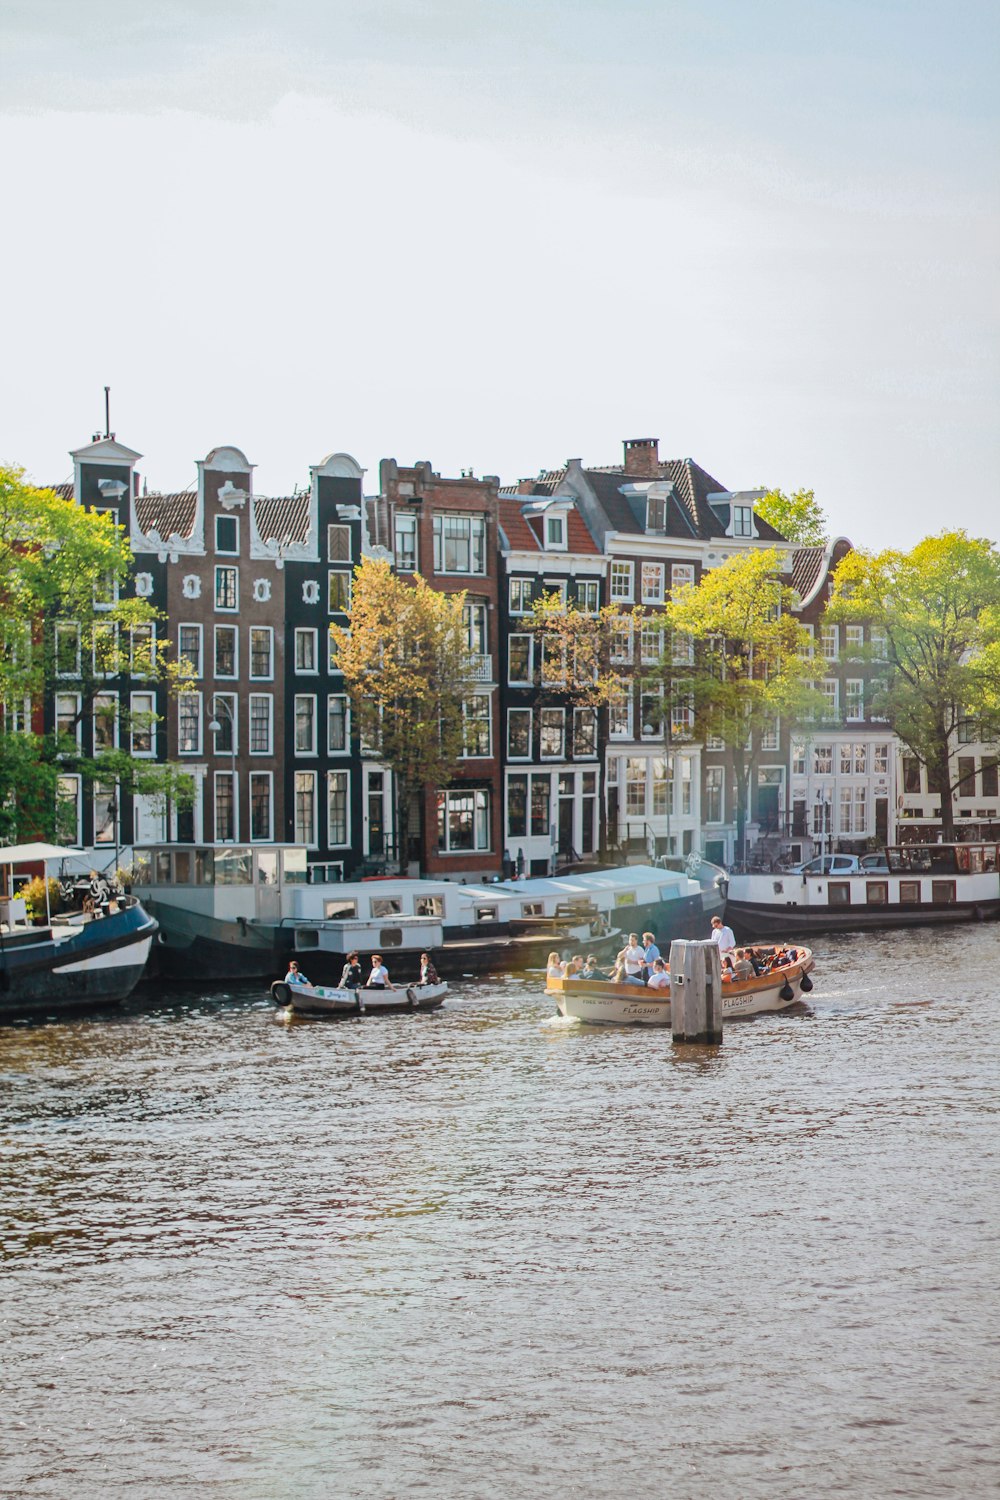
696, 992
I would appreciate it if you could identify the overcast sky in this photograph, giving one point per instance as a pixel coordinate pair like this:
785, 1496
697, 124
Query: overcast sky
499, 235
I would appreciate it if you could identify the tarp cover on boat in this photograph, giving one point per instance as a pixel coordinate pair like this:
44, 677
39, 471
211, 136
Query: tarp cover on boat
23, 854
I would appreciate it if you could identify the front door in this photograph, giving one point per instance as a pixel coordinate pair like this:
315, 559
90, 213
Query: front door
565, 819
375, 812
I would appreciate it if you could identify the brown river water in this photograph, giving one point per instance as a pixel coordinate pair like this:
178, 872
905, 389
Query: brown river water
484, 1253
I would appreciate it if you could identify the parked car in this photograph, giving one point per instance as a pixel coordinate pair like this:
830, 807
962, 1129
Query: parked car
843, 864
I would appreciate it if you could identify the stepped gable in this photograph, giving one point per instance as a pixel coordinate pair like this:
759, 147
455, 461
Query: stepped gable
167, 515
284, 518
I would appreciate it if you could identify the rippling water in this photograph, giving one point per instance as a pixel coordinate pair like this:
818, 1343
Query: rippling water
485, 1253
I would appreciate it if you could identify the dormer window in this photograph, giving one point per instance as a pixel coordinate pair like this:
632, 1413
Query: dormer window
656, 513
742, 520
555, 533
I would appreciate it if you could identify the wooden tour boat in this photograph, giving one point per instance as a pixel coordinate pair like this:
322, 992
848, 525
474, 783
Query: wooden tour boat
320, 1000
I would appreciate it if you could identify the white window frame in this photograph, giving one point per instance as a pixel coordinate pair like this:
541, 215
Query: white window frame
476, 525
63, 783
76, 732
303, 776
621, 582
511, 754
268, 837
225, 609
578, 716
267, 676
624, 705
742, 522
479, 719
830, 642
557, 717
310, 634
519, 596
331, 550
681, 576
219, 778
227, 551
651, 573
336, 778
854, 642
267, 698
556, 539
588, 596
345, 586
229, 720
477, 848
106, 630
311, 748
344, 749
116, 733
412, 529
234, 674
149, 754
651, 641
854, 700
528, 679
66, 627
197, 697
832, 709
715, 782
181, 657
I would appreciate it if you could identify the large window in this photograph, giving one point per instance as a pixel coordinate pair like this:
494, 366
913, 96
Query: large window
338, 808
261, 816
541, 800
651, 582
553, 661
519, 659
227, 588
305, 724
338, 543
853, 759
474, 620
517, 807
68, 809
225, 808
635, 788
226, 647
584, 732
406, 541
142, 724
463, 818
105, 814
227, 535
225, 713
621, 581
552, 733
830, 688
189, 723
520, 596
142, 650
478, 723
459, 544
663, 789
305, 807
588, 596
67, 650
682, 716
260, 723
681, 577
262, 652
854, 700
189, 648
339, 593
105, 721
854, 640
338, 727
306, 659
713, 794
822, 760
620, 713
68, 717
651, 714
519, 733
880, 759
621, 642
830, 642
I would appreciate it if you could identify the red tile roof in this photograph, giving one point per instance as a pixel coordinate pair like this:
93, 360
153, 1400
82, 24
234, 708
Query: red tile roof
285, 519
168, 515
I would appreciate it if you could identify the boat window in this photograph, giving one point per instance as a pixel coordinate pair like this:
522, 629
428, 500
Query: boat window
163, 867
963, 860
909, 893
390, 937
267, 867
204, 867
624, 898
142, 862
943, 892
339, 910
182, 867
386, 906
839, 893
429, 906
486, 913
232, 866
294, 866
306, 937
943, 859
532, 908
878, 892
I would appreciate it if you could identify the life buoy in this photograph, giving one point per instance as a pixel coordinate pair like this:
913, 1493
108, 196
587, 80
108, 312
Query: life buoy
281, 993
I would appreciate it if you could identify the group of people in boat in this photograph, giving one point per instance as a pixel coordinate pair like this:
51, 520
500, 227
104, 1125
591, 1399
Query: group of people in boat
353, 975
642, 963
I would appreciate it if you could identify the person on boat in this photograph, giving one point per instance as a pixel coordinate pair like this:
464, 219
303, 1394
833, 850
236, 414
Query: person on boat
295, 975
378, 979
659, 979
633, 958
650, 951
555, 968
428, 973
723, 935
574, 969
590, 969
742, 968
351, 978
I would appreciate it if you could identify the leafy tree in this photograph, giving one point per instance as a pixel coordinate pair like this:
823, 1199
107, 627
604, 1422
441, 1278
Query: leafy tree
798, 517
750, 668
937, 608
63, 566
408, 670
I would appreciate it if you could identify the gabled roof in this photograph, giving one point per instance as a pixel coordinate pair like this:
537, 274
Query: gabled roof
521, 536
689, 513
168, 515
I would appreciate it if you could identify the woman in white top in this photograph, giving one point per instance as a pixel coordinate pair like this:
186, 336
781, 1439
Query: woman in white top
554, 968
378, 979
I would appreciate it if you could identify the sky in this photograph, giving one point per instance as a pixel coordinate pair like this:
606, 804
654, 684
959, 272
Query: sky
499, 235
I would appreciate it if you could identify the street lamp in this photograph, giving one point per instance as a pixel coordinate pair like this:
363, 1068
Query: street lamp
214, 725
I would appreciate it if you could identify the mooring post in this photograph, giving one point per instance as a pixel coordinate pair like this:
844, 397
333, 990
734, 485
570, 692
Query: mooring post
696, 992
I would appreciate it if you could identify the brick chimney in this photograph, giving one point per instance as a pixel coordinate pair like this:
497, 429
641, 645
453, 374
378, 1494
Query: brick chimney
642, 457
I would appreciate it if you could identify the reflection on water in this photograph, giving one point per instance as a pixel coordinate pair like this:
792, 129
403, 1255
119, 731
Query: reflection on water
485, 1252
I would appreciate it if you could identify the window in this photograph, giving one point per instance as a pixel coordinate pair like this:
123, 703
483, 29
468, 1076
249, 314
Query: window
227, 588
854, 640
189, 723
635, 788
459, 544
552, 733
650, 642
338, 808
663, 789
67, 650
338, 724
555, 590
105, 721
742, 520
553, 661
142, 650
519, 733
189, 648
520, 596
517, 807
853, 759
681, 649
911, 774
621, 642
651, 714
990, 778
682, 716
227, 534
588, 596
68, 809
478, 726
338, 593
770, 734
463, 820
261, 822
262, 652
651, 582
67, 717
555, 533
142, 724
943, 892
713, 794
830, 642
620, 713
830, 688
877, 689
225, 808
909, 893
260, 723
226, 651
822, 760
406, 541
880, 760
681, 577
968, 731
798, 758
541, 798
225, 713
106, 662
877, 892
519, 659
810, 645
305, 807
306, 658
105, 814
621, 581
854, 700
584, 732
656, 513
338, 543
879, 641
966, 776
305, 724
839, 893
474, 620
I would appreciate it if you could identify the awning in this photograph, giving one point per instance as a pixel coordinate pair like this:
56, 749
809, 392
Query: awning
23, 854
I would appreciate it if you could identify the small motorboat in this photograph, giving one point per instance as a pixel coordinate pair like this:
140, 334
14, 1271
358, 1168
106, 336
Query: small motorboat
602, 1003
323, 1000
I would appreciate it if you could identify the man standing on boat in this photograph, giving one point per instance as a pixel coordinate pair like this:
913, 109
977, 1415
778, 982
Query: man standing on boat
722, 935
650, 952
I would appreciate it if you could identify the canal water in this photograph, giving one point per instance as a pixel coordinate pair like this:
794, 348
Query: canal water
485, 1253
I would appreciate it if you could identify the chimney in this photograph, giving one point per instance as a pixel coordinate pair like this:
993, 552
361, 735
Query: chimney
642, 458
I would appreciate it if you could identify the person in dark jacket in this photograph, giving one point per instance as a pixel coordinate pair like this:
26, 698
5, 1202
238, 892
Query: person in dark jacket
428, 973
352, 976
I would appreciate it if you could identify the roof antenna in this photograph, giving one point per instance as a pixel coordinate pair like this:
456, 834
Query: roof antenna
107, 412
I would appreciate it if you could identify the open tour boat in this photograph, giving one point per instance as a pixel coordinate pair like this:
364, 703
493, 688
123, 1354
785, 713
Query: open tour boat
320, 1000
600, 1002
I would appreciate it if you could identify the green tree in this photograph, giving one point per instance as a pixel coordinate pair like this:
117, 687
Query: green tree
62, 572
408, 671
937, 609
798, 517
750, 668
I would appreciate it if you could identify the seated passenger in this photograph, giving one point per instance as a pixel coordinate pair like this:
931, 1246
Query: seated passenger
659, 979
574, 969
378, 979
295, 975
742, 968
590, 969
428, 973
554, 969
351, 975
